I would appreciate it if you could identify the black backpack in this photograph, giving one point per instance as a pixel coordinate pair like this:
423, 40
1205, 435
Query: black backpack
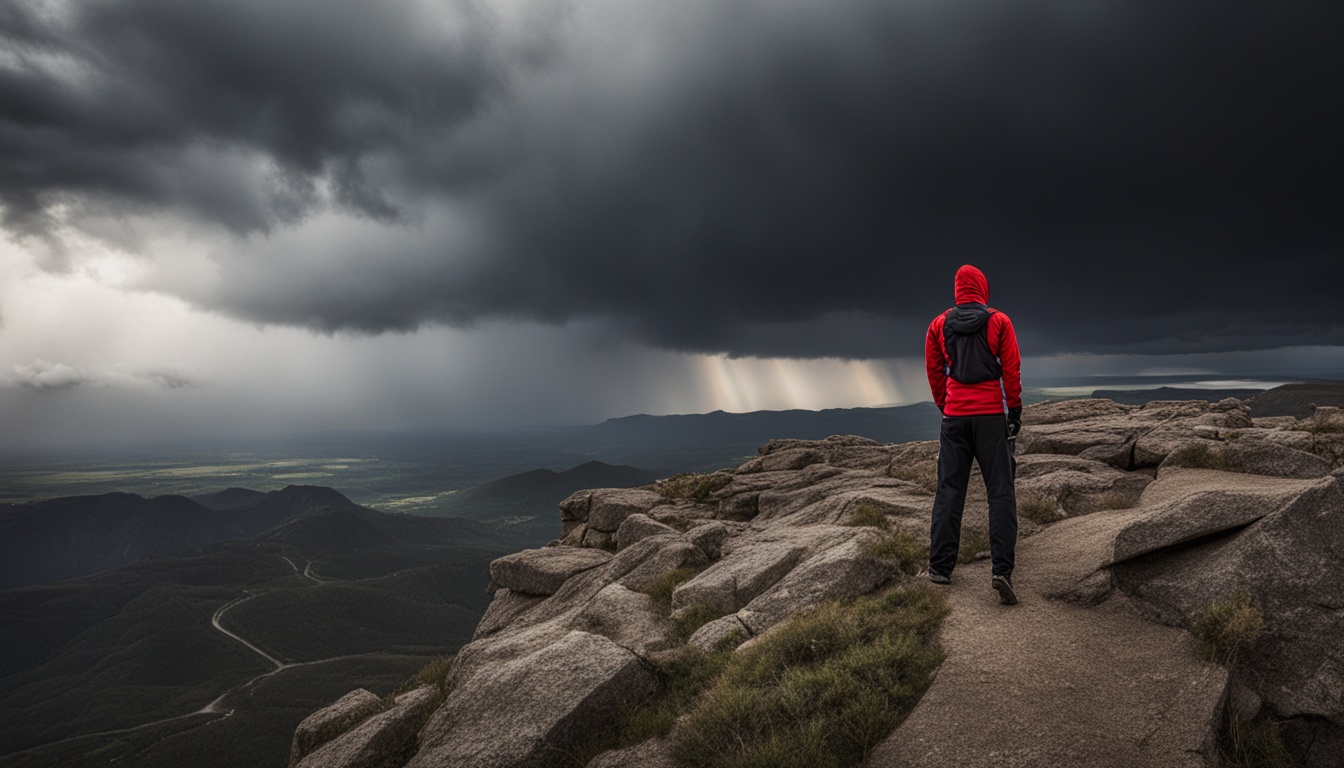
969, 359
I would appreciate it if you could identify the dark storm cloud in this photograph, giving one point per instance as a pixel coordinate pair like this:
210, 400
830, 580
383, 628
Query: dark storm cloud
752, 177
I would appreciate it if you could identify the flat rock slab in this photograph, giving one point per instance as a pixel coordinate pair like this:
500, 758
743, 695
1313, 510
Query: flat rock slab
543, 571
1048, 684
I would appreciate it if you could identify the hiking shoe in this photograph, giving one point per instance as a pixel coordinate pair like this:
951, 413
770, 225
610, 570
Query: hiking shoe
1004, 586
939, 578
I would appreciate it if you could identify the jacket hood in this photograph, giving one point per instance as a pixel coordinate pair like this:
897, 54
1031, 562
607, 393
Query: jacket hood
972, 292
971, 287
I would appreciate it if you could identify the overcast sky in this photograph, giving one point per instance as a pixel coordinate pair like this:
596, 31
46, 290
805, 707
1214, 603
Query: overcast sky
267, 215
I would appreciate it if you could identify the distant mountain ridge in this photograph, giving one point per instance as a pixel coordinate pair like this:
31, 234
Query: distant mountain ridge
76, 536
1141, 396
229, 498
704, 442
1297, 399
526, 502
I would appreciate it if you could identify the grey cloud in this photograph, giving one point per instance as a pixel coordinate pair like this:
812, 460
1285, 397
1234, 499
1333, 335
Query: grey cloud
754, 177
45, 376
171, 377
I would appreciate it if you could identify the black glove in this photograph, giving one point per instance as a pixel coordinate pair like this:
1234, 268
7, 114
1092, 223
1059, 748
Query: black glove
1014, 422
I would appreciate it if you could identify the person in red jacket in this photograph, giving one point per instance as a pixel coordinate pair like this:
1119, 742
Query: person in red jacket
974, 369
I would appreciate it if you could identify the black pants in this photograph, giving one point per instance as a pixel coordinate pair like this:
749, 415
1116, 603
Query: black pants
985, 439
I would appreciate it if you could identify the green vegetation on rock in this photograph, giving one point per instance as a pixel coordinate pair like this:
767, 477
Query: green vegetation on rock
662, 589
1252, 744
1322, 427
973, 543
1227, 628
1198, 456
695, 616
687, 485
1038, 508
821, 690
926, 478
868, 514
903, 551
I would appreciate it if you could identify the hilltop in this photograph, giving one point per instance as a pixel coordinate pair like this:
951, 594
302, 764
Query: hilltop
717, 615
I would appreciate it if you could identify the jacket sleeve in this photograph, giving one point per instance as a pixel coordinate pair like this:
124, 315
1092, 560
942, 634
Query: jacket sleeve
935, 362
1010, 358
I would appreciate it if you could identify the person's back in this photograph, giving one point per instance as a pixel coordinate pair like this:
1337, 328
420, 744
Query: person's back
973, 365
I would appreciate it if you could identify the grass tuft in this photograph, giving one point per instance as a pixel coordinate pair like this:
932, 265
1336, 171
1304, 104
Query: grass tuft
1114, 501
868, 514
972, 543
1197, 456
1252, 744
1321, 427
821, 690
1039, 508
901, 550
926, 478
697, 487
693, 618
1227, 628
662, 589
434, 673
682, 677
680, 523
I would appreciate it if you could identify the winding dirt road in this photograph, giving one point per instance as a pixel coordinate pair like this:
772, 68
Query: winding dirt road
215, 707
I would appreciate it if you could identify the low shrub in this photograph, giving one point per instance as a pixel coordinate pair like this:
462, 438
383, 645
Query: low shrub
678, 522
662, 589
1323, 427
434, 673
972, 543
926, 478
695, 616
1228, 627
1197, 456
1039, 508
1114, 501
693, 486
1252, 744
822, 690
682, 677
903, 551
868, 514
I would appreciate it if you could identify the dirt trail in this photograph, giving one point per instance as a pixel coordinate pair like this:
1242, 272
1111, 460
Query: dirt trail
1045, 683
214, 707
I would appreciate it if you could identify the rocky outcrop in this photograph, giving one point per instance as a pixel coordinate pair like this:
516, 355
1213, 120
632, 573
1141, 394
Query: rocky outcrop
532, 709
1253, 509
385, 740
1164, 509
326, 724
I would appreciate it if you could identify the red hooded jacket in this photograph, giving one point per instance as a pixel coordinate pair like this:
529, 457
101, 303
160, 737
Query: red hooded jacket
954, 398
